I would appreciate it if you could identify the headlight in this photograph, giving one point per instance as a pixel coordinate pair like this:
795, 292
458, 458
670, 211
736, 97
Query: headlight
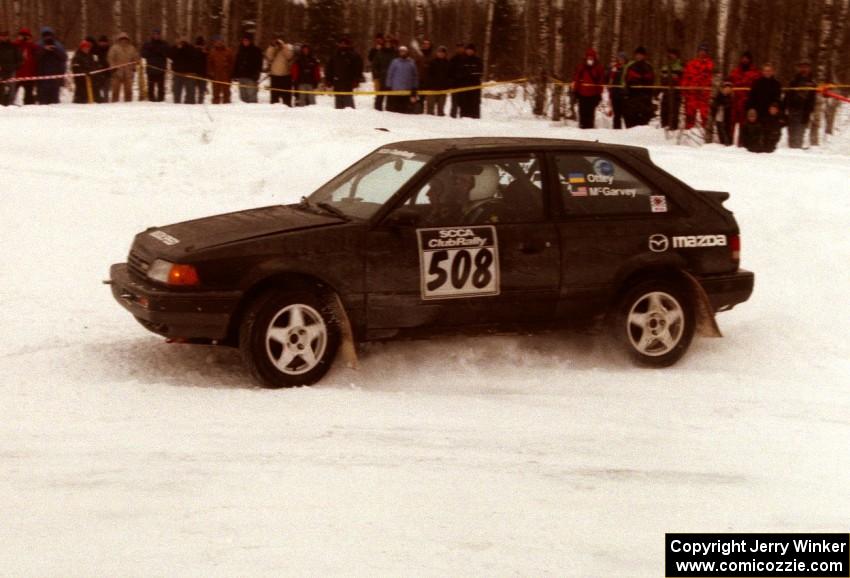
173, 273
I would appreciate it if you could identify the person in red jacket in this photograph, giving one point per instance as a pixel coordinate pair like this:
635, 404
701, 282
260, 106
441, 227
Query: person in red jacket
697, 78
587, 85
742, 79
29, 64
306, 75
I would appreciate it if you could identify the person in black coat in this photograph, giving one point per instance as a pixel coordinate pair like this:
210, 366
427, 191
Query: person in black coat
799, 104
471, 70
454, 74
247, 68
438, 77
100, 50
155, 53
638, 108
183, 56
721, 112
10, 59
765, 90
199, 71
83, 63
344, 73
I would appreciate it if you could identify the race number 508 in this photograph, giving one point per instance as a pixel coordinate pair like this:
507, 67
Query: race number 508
459, 272
458, 261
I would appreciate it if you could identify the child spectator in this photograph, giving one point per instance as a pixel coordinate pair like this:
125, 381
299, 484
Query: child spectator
772, 127
721, 111
751, 132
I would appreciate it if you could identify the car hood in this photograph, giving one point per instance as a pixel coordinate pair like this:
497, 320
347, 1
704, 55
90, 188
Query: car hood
191, 236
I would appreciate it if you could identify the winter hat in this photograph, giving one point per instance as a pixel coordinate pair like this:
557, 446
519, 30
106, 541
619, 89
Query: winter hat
622, 55
199, 41
590, 53
25, 32
442, 48
85, 44
103, 38
47, 31
703, 46
402, 48
640, 50
727, 83
248, 36
123, 36
156, 31
748, 55
470, 46
215, 38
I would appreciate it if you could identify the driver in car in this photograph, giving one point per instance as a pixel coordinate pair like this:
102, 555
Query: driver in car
449, 200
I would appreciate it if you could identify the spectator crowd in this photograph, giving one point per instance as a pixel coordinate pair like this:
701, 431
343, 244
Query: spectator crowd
750, 107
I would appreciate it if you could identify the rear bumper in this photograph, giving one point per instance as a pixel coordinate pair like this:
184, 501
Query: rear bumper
175, 314
726, 291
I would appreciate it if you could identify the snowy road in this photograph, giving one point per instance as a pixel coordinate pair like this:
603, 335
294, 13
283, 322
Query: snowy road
543, 455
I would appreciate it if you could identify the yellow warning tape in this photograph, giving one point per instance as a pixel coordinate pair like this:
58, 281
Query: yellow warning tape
349, 92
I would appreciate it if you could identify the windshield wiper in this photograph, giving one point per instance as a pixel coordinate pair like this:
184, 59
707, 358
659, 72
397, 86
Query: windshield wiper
333, 210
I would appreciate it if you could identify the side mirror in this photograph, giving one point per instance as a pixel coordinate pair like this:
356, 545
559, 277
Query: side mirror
403, 217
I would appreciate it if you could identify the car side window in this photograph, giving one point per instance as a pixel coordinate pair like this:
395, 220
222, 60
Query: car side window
600, 185
481, 192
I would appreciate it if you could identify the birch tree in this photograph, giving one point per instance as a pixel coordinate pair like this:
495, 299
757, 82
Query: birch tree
722, 25
225, 19
542, 57
116, 16
822, 61
558, 60
488, 36
834, 58
616, 42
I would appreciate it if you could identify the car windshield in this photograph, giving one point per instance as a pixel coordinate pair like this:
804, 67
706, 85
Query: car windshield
369, 183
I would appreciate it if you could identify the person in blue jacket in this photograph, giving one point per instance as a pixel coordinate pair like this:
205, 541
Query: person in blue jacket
52, 60
402, 75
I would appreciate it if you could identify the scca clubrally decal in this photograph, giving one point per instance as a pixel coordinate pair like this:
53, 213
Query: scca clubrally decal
458, 262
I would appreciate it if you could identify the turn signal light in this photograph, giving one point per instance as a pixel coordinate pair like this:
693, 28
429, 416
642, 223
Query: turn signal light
173, 273
183, 275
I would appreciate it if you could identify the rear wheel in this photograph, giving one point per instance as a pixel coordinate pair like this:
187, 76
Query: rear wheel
288, 339
655, 322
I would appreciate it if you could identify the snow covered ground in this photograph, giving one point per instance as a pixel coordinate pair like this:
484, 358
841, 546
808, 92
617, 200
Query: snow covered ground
544, 455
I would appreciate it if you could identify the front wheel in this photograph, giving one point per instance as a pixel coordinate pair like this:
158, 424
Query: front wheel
655, 322
288, 339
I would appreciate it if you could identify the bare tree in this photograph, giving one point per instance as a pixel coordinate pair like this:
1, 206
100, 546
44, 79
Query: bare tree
491, 5
116, 16
225, 18
544, 68
821, 62
558, 60
722, 24
616, 41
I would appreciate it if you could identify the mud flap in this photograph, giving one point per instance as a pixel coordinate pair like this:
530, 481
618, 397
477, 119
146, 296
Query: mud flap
346, 347
706, 325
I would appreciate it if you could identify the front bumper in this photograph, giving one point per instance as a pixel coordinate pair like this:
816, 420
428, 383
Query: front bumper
175, 314
726, 291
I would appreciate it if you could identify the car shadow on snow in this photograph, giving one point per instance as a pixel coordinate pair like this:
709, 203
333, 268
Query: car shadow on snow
492, 363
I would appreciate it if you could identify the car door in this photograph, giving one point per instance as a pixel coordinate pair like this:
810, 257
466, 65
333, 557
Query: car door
473, 246
612, 217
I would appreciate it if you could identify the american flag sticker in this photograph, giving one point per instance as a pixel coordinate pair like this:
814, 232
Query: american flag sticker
578, 191
658, 203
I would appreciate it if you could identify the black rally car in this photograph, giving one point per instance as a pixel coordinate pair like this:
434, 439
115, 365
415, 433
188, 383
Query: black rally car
445, 235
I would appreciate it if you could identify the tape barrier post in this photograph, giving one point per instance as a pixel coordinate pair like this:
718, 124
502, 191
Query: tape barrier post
89, 89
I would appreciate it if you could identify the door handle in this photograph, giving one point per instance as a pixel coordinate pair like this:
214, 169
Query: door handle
530, 248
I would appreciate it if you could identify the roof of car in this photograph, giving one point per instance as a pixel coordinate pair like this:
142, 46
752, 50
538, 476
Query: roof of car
444, 145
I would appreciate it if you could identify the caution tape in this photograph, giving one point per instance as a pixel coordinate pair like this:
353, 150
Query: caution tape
67, 74
821, 88
840, 97
346, 92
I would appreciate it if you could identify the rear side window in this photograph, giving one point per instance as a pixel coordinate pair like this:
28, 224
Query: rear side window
600, 185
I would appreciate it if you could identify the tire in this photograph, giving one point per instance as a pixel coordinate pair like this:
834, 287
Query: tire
654, 321
288, 338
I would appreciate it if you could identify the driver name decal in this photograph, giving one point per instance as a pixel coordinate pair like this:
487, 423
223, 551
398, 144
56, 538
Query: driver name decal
458, 262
